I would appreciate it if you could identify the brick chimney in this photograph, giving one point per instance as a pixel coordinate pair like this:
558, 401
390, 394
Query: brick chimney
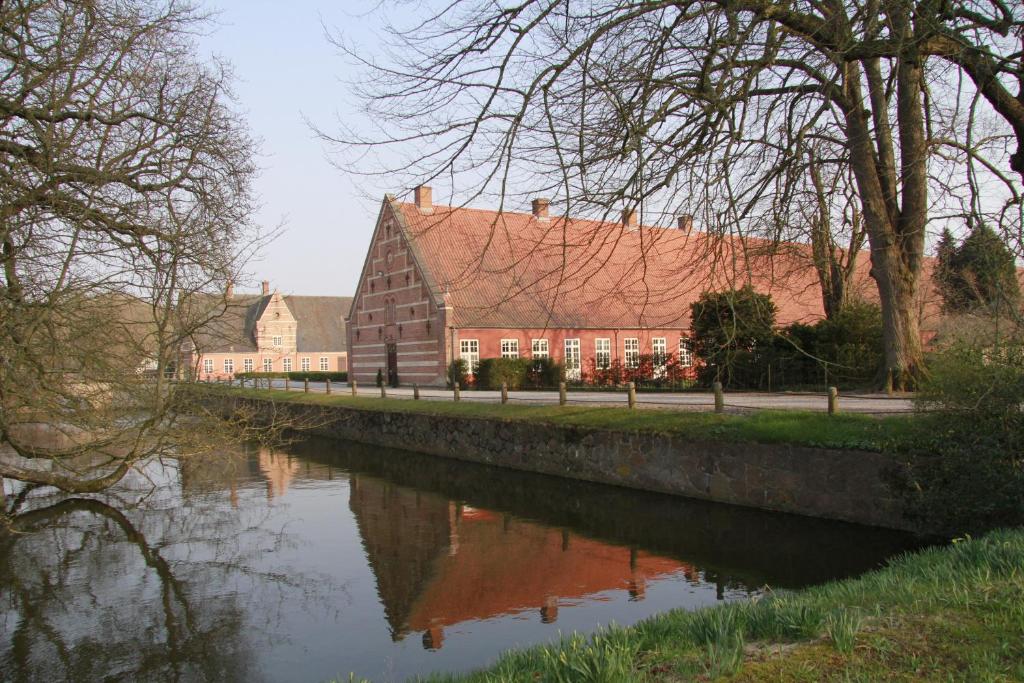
629, 219
540, 208
685, 222
266, 287
424, 198
229, 290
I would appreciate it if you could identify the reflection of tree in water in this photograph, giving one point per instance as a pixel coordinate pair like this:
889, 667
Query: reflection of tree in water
145, 585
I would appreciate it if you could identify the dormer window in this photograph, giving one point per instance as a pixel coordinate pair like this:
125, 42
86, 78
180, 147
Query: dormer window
277, 342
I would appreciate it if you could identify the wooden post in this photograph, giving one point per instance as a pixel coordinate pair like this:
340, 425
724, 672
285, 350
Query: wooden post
719, 397
455, 390
631, 394
833, 401
328, 386
305, 385
415, 392
383, 390
287, 383
504, 392
352, 383
241, 382
562, 398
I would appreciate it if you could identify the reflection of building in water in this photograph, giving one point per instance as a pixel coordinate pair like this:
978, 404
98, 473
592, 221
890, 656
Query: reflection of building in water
279, 470
438, 563
265, 469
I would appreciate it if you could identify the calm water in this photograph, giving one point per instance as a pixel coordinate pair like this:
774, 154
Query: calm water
332, 557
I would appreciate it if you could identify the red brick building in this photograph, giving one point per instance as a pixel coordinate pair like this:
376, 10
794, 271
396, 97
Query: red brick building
441, 283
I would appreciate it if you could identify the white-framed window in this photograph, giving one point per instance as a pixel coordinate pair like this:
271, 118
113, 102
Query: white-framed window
277, 342
304, 364
539, 348
659, 349
247, 364
208, 365
229, 365
325, 363
286, 364
469, 351
603, 353
510, 348
685, 353
631, 352
572, 359
268, 365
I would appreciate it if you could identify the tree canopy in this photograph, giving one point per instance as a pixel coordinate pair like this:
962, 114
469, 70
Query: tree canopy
124, 188
711, 108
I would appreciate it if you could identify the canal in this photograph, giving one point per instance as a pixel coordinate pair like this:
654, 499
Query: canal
324, 558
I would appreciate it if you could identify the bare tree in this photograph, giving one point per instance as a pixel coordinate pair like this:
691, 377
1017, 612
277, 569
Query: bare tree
124, 189
704, 105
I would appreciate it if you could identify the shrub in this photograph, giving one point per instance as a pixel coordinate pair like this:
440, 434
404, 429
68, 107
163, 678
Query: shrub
542, 373
458, 373
731, 330
965, 470
845, 351
492, 372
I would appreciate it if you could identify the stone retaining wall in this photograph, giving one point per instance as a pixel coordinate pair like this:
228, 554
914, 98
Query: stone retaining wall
828, 483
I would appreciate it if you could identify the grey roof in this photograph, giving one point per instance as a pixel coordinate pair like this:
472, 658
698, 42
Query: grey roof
321, 321
234, 328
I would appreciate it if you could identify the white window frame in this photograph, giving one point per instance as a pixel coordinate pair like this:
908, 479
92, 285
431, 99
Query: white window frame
325, 363
631, 352
659, 349
229, 366
304, 364
510, 348
469, 351
573, 364
539, 348
268, 365
277, 342
208, 366
685, 353
602, 353
247, 365
286, 364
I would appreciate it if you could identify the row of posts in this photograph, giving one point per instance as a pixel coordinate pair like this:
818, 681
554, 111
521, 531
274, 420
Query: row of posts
833, 393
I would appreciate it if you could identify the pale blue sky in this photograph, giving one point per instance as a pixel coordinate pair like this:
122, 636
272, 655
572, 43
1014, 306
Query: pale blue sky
285, 69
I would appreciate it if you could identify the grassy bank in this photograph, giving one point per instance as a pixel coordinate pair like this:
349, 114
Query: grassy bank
951, 613
791, 427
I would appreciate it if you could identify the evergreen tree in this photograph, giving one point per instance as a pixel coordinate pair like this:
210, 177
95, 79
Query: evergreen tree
978, 275
730, 329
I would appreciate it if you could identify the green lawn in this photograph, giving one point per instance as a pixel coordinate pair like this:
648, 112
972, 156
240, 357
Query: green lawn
793, 427
953, 613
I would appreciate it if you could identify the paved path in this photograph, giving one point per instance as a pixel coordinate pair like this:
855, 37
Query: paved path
872, 403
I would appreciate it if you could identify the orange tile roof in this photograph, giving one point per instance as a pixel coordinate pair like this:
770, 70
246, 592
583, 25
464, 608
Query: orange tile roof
512, 270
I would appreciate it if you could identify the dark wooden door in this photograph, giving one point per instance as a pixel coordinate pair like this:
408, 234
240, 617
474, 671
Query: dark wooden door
392, 350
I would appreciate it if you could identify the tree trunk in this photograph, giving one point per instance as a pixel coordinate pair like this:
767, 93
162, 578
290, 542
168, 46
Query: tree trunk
896, 239
897, 289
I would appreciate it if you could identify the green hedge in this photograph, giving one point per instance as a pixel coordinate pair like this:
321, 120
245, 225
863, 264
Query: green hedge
297, 376
518, 373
